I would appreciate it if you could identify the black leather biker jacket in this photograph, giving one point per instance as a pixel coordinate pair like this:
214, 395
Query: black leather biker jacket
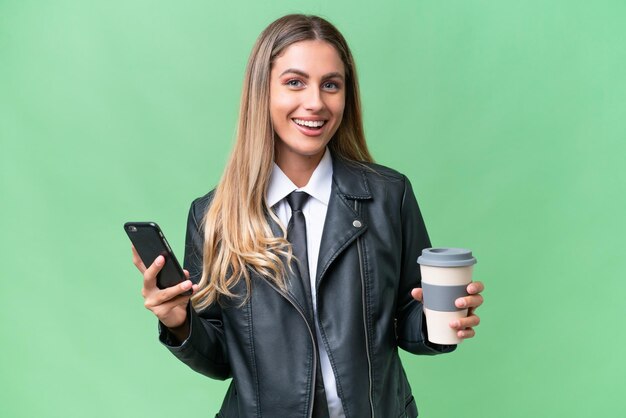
367, 266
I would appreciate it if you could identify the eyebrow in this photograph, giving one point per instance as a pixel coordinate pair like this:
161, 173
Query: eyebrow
305, 75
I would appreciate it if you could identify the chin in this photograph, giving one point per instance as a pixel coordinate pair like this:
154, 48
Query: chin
310, 153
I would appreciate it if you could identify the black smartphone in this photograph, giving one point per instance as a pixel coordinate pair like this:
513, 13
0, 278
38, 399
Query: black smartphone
150, 243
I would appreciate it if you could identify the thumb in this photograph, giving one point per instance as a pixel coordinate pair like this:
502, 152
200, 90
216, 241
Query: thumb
417, 294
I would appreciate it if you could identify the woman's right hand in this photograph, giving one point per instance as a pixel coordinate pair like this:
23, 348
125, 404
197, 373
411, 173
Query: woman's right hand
169, 305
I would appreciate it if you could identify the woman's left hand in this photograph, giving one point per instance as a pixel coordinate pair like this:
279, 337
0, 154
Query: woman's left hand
464, 326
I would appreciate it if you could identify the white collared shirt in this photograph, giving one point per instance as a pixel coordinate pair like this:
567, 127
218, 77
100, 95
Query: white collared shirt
314, 210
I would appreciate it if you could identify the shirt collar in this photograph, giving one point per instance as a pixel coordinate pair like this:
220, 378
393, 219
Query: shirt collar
319, 185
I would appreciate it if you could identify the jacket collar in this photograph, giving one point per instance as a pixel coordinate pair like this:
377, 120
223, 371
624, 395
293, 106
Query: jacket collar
349, 179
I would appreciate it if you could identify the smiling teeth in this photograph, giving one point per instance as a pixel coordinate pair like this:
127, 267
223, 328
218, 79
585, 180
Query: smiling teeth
310, 123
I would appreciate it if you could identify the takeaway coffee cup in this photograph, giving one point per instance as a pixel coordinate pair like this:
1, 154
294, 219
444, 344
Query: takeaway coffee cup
446, 272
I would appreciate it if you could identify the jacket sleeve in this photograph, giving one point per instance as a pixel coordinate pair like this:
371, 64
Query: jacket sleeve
410, 320
204, 350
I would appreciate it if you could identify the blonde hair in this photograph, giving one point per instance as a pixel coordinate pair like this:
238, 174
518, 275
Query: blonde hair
237, 235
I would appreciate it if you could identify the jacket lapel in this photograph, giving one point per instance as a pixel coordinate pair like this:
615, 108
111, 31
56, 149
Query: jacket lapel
343, 224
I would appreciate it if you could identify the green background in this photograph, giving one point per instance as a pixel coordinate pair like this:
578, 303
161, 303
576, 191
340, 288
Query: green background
508, 117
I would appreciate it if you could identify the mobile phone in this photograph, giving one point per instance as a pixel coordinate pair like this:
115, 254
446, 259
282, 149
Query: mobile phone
150, 243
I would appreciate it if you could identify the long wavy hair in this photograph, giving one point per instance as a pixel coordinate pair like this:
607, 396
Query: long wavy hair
237, 235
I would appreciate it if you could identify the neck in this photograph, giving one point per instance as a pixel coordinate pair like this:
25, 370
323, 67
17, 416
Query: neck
298, 168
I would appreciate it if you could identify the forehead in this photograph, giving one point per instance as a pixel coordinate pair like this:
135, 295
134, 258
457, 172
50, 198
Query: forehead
314, 57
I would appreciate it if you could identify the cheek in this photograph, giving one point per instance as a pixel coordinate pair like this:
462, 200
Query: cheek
338, 108
280, 105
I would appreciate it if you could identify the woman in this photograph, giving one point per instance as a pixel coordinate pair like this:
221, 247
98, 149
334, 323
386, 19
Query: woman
302, 304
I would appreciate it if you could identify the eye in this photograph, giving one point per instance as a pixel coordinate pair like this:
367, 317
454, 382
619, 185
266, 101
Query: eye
294, 82
331, 86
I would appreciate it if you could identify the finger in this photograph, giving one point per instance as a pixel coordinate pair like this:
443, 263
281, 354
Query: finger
170, 293
417, 294
137, 260
475, 288
186, 273
464, 323
473, 301
466, 333
149, 276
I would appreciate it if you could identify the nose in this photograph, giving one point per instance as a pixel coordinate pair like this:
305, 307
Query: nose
313, 101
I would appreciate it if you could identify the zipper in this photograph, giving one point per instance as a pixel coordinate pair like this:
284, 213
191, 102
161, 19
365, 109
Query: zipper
367, 344
286, 296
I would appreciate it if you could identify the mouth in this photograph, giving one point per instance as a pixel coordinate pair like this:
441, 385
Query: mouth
309, 124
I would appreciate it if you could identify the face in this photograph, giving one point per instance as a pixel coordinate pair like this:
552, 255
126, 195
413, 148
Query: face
307, 98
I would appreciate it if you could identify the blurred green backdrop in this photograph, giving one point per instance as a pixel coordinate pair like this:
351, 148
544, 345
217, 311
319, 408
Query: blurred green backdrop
507, 116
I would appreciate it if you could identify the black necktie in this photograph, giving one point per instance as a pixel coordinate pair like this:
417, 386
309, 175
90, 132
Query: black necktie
296, 235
